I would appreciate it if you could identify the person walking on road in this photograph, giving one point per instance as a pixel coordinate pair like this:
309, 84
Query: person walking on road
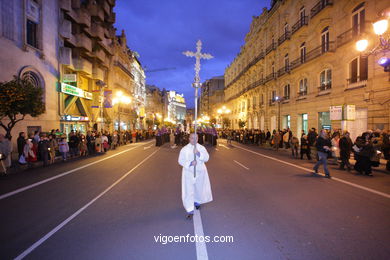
196, 190
345, 145
323, 148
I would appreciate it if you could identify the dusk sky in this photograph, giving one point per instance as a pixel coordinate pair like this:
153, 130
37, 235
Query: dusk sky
160, 30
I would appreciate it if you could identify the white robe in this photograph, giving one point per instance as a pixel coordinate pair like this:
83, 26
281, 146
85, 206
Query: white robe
196, 189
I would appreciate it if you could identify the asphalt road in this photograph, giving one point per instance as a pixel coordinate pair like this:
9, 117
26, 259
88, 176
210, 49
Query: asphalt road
114, 206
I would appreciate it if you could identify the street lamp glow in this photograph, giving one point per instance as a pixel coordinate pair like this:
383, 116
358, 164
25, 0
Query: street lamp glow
380, 27
219, 111
276, 98
361, 45
119, 94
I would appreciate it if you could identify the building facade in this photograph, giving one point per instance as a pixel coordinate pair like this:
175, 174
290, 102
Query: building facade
299, 68
28, 50
154, 106
86, 47
212, 96
175, 107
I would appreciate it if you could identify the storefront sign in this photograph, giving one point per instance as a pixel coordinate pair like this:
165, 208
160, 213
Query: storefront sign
349, 112
74, 91
69, 78
107, 99
74, 118
336, 113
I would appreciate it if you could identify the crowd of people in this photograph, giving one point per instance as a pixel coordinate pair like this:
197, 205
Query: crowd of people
45, 147
367, 149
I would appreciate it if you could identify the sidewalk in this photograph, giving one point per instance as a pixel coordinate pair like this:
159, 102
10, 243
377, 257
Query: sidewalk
287, 152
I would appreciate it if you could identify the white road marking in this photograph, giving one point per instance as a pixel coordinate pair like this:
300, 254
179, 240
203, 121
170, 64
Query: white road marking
386, 195
224, 146
241, 165
9, 194
201, 249
147, 147
78, 212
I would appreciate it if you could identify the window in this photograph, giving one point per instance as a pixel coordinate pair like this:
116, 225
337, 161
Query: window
273, 69
358, 69
273, 95
32, 23
325, 40
285, 28
326, 79
254, 101
261, 100
32, 78
302, 15
286, 91
303, 52
358, 19
248, 103
302, 87
286, 63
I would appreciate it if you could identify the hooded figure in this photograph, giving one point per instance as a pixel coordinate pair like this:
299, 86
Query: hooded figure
195, 190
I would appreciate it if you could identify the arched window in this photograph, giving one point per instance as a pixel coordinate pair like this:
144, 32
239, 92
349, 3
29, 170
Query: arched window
325, 40
32, 78
286, 92
326, 79
302, 87
358, 19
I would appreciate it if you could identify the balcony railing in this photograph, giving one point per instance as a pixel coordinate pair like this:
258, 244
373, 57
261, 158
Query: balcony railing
319, 6
302, 93
325, 87
270, 47
272, 101
346, 37
301, 22
356, 81
284, 37
284, 70
270, 77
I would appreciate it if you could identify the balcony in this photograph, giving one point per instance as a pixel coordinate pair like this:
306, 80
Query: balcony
356, 82
324, 89
97, 73
96, 11
111, 18
100, 55
81, 17
270, 47
271, 102
109, 32
83, 41
65, 5
319, 7
65, 56
82, 65
346, 37
97, 31
284, 37
65, 29
106, 7
270, 77
302, 93
283, 71
301, 22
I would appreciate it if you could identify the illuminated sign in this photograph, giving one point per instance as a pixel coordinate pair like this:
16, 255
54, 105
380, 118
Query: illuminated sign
69, 78
74, 91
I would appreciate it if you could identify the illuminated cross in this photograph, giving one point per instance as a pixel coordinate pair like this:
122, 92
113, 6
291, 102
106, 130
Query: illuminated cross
198, 55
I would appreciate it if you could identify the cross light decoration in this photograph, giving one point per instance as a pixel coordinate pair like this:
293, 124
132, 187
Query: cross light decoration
198, 56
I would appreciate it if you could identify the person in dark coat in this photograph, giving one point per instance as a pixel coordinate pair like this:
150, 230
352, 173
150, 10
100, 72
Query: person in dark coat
323, 146
345, 145
305, 147
362, 157
43, 149
21, 141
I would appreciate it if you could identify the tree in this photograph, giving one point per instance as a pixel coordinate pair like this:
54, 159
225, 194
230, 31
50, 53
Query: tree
225, 122
19, 98
241, 123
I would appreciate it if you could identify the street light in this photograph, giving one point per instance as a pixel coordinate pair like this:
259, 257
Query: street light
120, 99
223, 111
380, 27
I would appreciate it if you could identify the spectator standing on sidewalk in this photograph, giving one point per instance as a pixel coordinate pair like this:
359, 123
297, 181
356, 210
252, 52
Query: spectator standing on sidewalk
294, 144
335, 147
386, 148
53, 147
363, 154
345, 145
323, 146
30, 152
21, 141
63, 148
43, 149
305, 147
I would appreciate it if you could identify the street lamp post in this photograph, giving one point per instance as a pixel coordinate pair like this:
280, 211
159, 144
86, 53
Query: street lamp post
102, 85
279, 100
120, 98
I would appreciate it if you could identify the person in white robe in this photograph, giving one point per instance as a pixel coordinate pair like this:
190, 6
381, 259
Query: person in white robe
195, 190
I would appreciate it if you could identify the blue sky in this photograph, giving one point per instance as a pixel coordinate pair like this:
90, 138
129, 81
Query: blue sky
160, 30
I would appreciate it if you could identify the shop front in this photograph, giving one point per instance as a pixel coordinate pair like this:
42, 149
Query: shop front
324, 121
74, 123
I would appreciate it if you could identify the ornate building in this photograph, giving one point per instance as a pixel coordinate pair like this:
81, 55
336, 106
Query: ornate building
299, 59
212, 95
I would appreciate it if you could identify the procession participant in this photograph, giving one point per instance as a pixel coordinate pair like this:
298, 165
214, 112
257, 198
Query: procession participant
323, 146
345, 144
196, 190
